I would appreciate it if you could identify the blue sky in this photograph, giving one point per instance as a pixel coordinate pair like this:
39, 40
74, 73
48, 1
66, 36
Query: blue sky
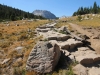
58, 7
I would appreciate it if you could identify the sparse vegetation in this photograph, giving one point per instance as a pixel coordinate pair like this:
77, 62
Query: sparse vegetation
14, 36
5, 44
60, 23
62, 32
79, 18
45, 39
19, 71
93, 21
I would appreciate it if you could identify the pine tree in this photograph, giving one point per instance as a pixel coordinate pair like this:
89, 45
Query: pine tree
12, 17
91, 9
75, 14
88, 10
95, 9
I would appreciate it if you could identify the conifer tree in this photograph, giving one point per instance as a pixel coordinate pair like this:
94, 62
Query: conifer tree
9, 13
95, 8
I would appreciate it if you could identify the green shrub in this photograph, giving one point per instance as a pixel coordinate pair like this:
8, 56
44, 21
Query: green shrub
70, 71
19, 71
62, 32
79, 18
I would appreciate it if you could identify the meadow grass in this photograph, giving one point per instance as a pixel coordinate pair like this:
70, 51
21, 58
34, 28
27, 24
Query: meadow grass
93, 21
13, 36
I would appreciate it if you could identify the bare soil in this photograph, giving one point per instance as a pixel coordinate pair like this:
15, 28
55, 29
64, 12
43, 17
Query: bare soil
90, 32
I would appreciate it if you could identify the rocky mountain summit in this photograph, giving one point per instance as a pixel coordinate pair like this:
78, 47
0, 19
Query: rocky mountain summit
45, 14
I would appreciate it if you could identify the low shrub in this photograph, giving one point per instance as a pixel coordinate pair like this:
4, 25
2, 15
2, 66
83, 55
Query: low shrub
19, 71
5, 44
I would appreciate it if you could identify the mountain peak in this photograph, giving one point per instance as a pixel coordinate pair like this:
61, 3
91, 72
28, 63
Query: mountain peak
45, 14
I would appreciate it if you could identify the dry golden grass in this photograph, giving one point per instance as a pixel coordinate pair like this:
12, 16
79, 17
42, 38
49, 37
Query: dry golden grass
18, 64
59, 24
18, 71
31, 73
5, 44
68, 18
16, 29
93, 21
6, 65
12, 37
9, 33
12, 33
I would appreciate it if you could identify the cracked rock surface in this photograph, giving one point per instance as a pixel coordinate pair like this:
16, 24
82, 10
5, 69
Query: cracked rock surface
44, 57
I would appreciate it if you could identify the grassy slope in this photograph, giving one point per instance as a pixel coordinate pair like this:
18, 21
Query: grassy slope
13, 36
94, 21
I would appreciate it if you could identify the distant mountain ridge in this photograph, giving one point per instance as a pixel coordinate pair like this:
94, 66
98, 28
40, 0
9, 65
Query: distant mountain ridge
45, 14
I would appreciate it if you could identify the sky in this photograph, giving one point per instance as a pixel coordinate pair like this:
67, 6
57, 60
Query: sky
57, 7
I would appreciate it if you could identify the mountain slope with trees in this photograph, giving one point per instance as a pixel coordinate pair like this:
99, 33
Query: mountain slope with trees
9, 13
95, 9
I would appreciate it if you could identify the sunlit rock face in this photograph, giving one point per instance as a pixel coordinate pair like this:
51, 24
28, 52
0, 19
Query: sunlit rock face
45, 14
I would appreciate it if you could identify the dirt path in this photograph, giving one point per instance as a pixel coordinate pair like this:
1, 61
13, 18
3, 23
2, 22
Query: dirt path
95, 43
79, 29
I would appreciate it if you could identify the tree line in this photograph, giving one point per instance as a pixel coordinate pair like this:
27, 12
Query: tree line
95, 9
10, 13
